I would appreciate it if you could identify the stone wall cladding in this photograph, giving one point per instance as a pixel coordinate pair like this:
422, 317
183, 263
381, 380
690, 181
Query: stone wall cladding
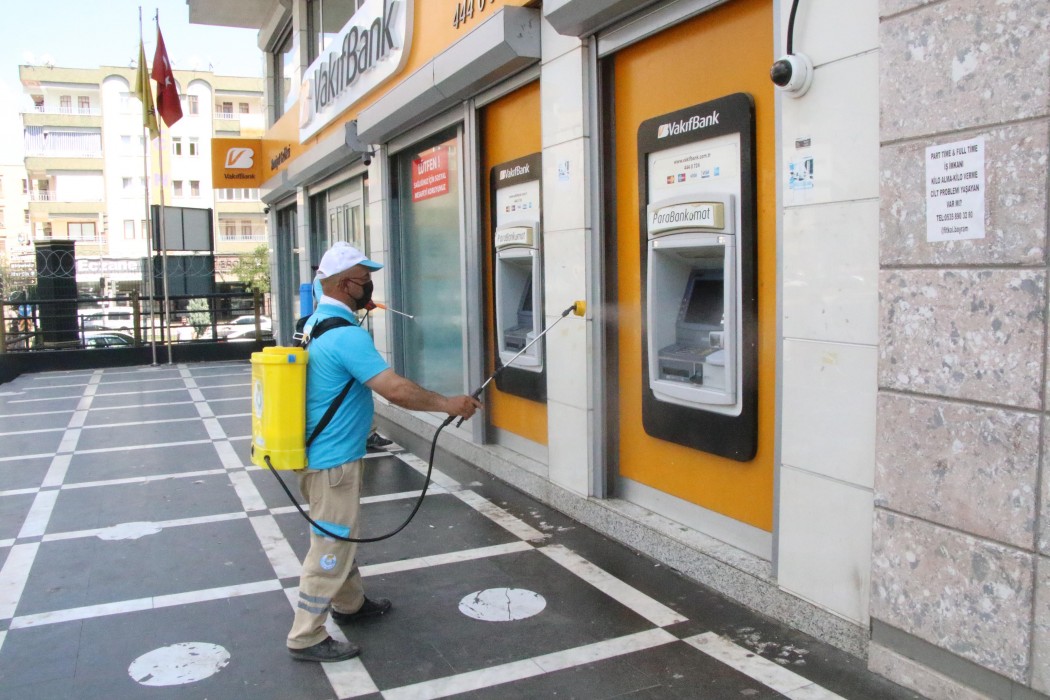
972, 468
961, 64
1015, 201
962, 481
964, 594
964, 334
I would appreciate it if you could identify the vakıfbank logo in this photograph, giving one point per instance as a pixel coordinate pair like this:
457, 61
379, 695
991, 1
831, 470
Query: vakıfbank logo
240, 158
684, 126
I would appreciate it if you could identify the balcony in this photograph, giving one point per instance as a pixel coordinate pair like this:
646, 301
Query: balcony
53, 207
39, 116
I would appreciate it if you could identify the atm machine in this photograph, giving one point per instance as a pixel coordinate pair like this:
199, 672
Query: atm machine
518, 276
698, 216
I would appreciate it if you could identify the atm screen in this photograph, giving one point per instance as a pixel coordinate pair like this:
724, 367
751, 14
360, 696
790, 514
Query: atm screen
706, 302
526, 298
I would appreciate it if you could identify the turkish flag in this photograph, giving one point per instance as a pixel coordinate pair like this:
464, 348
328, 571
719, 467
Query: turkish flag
168, 106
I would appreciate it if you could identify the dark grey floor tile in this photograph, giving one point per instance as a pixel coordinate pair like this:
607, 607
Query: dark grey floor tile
16, 422
237, 426
152, 501
89, 571
132, 414
141, 399
235, 388
132, 463
24, 473
90, 659
142, 434
13, 512
427, 626
31, 443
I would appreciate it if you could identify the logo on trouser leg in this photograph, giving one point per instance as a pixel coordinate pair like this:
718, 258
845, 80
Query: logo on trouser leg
329, 562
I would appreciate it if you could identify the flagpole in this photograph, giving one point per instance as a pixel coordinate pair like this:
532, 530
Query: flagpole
148, 234
163, 237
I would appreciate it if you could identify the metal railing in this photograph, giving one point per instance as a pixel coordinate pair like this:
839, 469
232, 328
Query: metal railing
63, 324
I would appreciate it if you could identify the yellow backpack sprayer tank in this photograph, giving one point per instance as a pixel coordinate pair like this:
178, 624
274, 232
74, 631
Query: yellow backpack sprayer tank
279, 407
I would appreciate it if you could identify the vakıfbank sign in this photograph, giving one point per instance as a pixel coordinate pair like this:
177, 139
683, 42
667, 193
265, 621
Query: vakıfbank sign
371, 48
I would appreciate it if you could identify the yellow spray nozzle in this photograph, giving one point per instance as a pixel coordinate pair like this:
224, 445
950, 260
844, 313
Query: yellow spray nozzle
578, 307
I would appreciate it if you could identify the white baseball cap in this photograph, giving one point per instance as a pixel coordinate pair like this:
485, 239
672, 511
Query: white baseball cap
343, 256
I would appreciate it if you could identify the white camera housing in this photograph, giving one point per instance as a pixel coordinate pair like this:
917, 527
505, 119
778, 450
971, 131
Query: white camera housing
792, 74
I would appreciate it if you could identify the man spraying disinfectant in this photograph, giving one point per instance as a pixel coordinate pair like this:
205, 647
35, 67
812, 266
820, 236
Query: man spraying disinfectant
345, 355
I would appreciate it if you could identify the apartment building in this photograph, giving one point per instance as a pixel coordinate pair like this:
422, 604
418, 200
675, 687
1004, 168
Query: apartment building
87, 164
15, 230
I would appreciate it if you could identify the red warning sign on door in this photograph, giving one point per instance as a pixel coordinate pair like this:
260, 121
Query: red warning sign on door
430, 174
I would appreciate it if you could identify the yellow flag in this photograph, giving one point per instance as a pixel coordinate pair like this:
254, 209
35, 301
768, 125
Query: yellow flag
145, 95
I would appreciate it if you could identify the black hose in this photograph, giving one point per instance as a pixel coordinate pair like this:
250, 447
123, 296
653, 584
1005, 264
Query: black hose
361, 540
791, 29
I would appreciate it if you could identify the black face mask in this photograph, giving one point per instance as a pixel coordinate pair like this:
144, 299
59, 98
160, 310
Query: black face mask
366, 295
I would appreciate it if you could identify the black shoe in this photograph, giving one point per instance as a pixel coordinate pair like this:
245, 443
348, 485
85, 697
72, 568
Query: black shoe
371, 608
326, 651
376, 441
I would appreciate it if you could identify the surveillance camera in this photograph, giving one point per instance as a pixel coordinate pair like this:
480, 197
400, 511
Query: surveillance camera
266, 210
792, 74
367, 160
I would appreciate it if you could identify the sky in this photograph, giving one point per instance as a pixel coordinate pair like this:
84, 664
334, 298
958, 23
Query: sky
93, 33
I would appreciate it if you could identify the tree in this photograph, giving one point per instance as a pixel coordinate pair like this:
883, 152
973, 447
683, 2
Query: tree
199, 316
253, 269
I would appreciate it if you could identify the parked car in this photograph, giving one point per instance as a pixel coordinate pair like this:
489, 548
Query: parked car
249, 334
244, 323
118, 318
97, 339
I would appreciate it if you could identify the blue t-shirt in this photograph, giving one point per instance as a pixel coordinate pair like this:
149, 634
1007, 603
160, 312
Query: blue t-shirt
337, 355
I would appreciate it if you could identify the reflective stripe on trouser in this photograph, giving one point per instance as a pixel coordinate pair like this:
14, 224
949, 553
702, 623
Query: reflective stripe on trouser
330, 576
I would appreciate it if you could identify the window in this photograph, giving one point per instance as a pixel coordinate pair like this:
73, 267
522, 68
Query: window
129, 229
27, 216
195, 188
242, 108
177, 187
193, 144
285, 59
227, 108
325, 19
125, 103
190, 104
1, 185
65, 104
82, 230
246, 231
126, 184
145, 228
1, 217
176, 146
25, 186
84, 104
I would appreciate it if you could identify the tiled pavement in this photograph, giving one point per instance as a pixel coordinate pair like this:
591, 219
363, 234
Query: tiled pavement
141, 556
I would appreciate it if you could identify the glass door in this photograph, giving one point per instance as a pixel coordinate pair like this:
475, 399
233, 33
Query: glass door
428, 252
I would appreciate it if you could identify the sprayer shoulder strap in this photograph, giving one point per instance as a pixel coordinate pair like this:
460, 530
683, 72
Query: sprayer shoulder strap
319, 329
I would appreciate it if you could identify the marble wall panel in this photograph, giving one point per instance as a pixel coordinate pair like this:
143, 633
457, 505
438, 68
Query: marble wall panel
1041, 631
969, 596
1015, 199
968, 467
1042, 540
967, 334
962, 63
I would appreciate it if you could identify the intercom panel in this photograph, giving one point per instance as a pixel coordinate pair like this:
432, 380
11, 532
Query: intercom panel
697, 236
518, 277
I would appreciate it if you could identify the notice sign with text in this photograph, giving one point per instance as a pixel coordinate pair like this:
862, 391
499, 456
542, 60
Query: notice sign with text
430, 174
955, 190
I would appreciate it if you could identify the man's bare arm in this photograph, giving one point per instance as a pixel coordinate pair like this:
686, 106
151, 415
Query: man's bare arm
407, 394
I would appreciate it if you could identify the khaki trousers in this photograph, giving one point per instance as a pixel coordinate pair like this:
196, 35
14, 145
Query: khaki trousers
330, 577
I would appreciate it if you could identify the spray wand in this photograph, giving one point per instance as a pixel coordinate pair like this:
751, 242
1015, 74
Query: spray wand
579, 307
